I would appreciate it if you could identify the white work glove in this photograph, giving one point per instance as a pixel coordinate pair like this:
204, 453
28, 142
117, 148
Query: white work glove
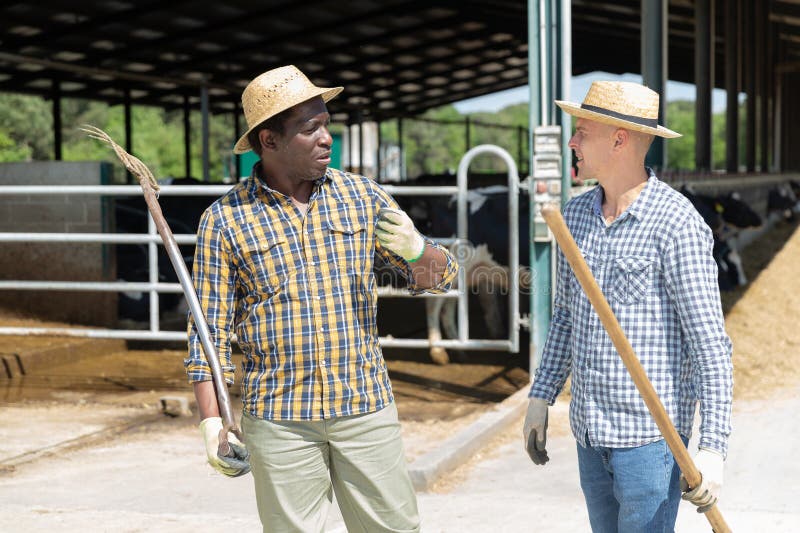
705, 495
534, 430
235, 465
396, 232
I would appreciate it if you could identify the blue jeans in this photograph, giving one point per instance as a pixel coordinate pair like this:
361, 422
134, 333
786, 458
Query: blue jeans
630, 490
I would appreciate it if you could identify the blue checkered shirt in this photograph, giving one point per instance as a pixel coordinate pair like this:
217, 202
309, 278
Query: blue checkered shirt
300, 293
655, 267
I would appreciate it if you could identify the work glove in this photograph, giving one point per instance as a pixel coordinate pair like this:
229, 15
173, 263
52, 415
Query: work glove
534, 430
396, 232
234, 466
705, 495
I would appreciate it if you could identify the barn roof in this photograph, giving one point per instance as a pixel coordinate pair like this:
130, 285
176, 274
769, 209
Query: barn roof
394, 57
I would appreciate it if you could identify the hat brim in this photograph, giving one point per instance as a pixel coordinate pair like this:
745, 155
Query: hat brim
328, 93
577, 111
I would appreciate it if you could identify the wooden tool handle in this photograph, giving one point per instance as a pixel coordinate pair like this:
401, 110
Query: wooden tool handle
556, 223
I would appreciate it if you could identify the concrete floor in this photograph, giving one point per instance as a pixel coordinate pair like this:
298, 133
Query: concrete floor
155, 479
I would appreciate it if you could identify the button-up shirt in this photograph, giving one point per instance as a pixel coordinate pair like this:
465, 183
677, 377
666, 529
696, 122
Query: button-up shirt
299, 291
655, 267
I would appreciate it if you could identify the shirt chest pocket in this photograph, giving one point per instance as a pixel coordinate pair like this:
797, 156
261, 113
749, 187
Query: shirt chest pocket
268, 264
631, 277
348, 243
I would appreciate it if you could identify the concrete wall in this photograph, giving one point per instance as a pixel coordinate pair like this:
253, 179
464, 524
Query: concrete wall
57, 261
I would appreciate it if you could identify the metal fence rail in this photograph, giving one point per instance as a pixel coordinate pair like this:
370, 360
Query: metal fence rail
154, 287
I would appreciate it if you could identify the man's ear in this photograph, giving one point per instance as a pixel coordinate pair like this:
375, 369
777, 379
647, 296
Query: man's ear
621, 138
268, 140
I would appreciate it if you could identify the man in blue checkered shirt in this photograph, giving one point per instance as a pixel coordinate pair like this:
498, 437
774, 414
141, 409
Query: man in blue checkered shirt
651, 254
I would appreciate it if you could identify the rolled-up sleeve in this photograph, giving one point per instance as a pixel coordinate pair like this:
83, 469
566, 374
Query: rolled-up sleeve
691, 281
214, 282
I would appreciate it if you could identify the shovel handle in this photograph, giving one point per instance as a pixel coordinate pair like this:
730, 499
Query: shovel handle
556, 223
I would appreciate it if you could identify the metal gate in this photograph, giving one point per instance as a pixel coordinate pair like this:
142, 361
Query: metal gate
154, 287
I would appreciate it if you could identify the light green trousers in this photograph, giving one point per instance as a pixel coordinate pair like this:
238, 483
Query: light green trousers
297, 466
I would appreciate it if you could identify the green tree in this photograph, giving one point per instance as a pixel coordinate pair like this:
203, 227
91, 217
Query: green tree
11, 151
28, 122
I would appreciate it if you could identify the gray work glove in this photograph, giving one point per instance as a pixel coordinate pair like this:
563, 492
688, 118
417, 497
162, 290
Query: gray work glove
705, 495
234, 466
534, 430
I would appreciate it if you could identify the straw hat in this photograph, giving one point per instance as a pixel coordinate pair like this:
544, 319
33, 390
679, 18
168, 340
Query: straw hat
274, 91
620, 103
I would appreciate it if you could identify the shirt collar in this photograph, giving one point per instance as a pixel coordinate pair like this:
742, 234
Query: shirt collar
639, 208
255, 183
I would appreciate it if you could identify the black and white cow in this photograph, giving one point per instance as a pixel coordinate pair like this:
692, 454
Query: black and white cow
726, 215
484, 257
182, 214
782, 199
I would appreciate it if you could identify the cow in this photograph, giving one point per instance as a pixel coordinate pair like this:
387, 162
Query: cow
486, 278
182, 214
782, 199
726, 215
485, 256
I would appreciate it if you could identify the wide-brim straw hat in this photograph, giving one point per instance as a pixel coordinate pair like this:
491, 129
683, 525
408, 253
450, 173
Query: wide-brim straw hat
274, 91
620, 103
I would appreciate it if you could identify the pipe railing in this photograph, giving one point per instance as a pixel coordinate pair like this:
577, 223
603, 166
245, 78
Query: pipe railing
154, 287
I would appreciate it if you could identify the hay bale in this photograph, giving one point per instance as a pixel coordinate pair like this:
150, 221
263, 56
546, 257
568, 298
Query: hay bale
762, 325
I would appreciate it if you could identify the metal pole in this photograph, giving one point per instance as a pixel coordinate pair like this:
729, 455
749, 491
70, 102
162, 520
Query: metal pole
128, 110
704, 81
764, 76
403, 176
57, 133
187, 137
540, 252
654, 37
731, 87
152, 275
204, 132
236, 157
544, 65
467, 140
360, 145
565, 120
750, 85
379, 169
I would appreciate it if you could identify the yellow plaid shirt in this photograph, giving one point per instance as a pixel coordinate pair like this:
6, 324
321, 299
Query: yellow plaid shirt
300, 292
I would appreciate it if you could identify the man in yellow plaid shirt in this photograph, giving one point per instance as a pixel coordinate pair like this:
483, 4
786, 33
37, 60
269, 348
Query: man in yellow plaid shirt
285, 261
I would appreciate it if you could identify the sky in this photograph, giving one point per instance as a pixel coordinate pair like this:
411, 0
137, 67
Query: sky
578, 89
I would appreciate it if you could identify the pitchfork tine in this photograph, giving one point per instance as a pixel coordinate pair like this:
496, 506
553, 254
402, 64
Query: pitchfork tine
132, 163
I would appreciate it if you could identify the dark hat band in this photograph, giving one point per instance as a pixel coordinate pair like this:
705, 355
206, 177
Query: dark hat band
649, 122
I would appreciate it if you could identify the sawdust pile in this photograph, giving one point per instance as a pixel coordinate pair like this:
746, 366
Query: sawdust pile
763, 317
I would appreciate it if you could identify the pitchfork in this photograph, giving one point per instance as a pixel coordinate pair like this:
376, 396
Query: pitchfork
150, 186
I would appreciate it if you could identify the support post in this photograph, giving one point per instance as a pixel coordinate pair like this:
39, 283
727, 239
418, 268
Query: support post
540, 252
403, 176
204, 132
750, 84
128, 109
57, 126
654, 40
731, 86
187, 137
703, 80
237, 159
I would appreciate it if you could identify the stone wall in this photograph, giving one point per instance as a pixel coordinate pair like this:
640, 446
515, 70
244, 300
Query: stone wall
56, 261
